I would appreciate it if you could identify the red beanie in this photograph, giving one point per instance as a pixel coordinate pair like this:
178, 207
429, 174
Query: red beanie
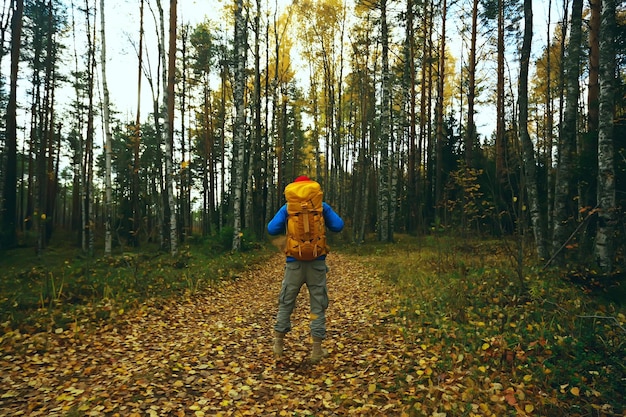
302, 178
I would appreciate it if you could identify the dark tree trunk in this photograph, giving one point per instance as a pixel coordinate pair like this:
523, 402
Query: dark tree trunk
530, 167
9, 214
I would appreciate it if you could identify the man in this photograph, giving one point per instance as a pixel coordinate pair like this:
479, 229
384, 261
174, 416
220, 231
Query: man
304, 217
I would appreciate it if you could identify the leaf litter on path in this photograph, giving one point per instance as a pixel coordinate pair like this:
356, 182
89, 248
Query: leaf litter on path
210, 354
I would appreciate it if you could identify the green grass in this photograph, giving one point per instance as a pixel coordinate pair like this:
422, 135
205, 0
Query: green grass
481, 307
475, 304
54, 289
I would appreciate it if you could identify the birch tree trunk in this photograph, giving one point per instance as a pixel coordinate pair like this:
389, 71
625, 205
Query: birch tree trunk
222, 198
604, 248
384, 234
168, 99
567, 145
108, 204
239, 129
530, 168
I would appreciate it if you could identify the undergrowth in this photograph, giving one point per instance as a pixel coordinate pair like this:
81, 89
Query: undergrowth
63, 285
542, 335
558, 337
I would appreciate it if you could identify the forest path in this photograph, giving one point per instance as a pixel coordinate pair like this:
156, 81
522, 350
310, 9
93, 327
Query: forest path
210, 354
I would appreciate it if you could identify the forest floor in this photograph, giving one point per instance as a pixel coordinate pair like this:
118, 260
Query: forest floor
209, 353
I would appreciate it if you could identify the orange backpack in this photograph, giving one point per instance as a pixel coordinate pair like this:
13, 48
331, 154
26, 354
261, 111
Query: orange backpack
306, 233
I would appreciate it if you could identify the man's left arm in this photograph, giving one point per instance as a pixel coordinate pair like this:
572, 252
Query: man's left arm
333, 222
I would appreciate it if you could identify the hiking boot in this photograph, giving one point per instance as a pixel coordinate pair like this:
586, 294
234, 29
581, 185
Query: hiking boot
317, 353
279, 343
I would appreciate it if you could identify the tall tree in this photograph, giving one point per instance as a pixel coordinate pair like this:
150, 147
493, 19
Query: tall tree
184, 198
136, 137
337, 173
324, 27
108, 203
567, 142
42, 24
410, 98
204, 51
361, 91
530, 167
385, 229
256, 181
239, 129
471, 89
52, 128
9, 215
426, 134
500, 94
75, 137
88, 209
549, 116
604, 248
441, 77
589, 141
593, 90
168, 99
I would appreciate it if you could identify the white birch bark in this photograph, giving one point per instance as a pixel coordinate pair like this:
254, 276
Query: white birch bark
108, 204
239, 129
384, 234
604, 245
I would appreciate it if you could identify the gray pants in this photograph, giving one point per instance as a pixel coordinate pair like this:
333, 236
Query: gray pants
297, 273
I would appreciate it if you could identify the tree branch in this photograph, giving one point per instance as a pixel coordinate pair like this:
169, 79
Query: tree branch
610, 318
591, 213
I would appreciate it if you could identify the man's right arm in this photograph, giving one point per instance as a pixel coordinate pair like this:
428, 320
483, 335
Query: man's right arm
333, 221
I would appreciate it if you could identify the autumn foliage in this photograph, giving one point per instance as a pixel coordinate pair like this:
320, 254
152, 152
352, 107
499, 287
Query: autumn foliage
435, 327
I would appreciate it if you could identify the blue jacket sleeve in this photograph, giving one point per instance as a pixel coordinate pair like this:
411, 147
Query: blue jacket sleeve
333, 222
277, 225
